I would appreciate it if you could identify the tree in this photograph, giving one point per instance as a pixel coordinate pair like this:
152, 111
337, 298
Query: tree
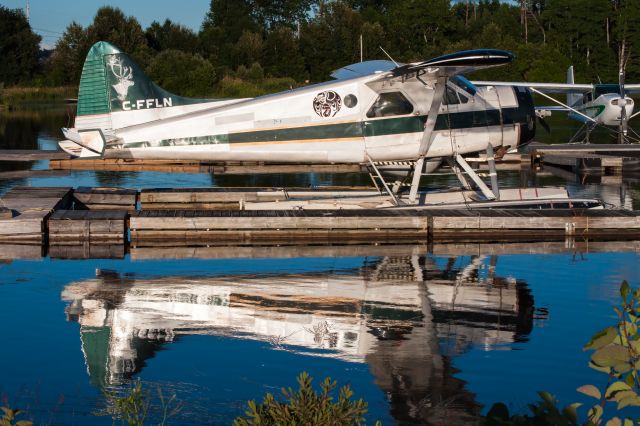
19, 47
170, 35
182, 73
248, 49
66, 62
274, 13
332, 40
281, 54
110, 24
223, 26
415, 28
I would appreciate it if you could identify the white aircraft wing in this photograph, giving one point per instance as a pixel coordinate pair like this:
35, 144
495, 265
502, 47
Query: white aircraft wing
552, 108
455, 63
632, 88
543, 87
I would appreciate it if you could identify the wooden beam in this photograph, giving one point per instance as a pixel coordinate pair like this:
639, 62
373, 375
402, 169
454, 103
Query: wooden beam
31, 155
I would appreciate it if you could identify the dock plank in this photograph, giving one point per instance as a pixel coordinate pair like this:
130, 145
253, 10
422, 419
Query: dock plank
31, 155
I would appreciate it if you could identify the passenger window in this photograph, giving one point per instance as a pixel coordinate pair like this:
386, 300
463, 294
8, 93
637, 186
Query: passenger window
391, 103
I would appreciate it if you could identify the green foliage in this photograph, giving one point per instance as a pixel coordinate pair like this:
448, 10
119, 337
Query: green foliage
616, 352
19, 47
110, 24
543, 412
9, 418
307, 407
308, 39
16, 97
170, 35
234, 87
182, 73
132, 407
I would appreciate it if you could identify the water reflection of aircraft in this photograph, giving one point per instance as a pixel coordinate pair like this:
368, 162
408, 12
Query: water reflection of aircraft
375, 111
391, 313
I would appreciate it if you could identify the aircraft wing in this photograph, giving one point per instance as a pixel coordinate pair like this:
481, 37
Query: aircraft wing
632, 88
456, 63
442, 66
360, 69
552, 108
543, 87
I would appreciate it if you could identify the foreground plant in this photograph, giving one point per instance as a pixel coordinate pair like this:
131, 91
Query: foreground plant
616, 352
306, 407
133, 407
9, 418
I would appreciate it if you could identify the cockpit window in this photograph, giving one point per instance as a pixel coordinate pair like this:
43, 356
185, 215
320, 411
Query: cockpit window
601, 89
464, 84
451, 97
390, 103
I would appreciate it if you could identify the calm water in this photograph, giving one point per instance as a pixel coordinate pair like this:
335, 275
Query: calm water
423, 334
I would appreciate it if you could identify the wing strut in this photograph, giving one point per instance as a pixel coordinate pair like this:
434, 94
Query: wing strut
560, 103
427, 136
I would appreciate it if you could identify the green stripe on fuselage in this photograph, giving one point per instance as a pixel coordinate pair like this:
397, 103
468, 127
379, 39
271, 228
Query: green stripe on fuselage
369, 128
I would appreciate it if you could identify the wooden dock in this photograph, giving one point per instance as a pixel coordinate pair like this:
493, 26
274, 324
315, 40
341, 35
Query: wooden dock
185, 166
32, 155
26, 211
580, 158
87, 217
589, 158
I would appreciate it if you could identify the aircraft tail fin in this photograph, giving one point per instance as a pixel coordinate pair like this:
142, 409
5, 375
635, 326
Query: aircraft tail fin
114, 92
572, 98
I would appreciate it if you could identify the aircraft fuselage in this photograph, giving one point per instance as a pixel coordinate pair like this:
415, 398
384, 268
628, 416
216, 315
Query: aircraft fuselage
342, 121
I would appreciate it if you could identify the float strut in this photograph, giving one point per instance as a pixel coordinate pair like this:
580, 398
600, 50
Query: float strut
493, 173
474, 176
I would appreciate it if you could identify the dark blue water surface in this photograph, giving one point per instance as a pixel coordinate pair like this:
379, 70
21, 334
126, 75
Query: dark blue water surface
447, 332
423, 334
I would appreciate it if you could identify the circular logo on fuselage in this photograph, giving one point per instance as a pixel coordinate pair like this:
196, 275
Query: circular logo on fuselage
327, 103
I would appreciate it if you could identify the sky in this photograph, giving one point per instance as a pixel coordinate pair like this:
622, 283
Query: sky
49, 18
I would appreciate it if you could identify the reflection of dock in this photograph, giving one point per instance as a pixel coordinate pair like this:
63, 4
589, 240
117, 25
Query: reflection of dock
574, 246
391, 314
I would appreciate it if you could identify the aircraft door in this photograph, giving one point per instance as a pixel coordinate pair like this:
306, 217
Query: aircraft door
488, 116
458, 118
391, 124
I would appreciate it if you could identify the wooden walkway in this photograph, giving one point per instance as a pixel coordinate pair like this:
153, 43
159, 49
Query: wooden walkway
25, 211
583, 158
32, 155
125, 217
185, 166
589, 158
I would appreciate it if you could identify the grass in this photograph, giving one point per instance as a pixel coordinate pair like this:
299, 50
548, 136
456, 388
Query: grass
16, 96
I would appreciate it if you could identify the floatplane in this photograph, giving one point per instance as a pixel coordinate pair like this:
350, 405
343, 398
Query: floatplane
371, 113
608, 105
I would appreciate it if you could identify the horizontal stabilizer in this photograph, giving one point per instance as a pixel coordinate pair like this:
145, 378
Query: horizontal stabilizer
84, 143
